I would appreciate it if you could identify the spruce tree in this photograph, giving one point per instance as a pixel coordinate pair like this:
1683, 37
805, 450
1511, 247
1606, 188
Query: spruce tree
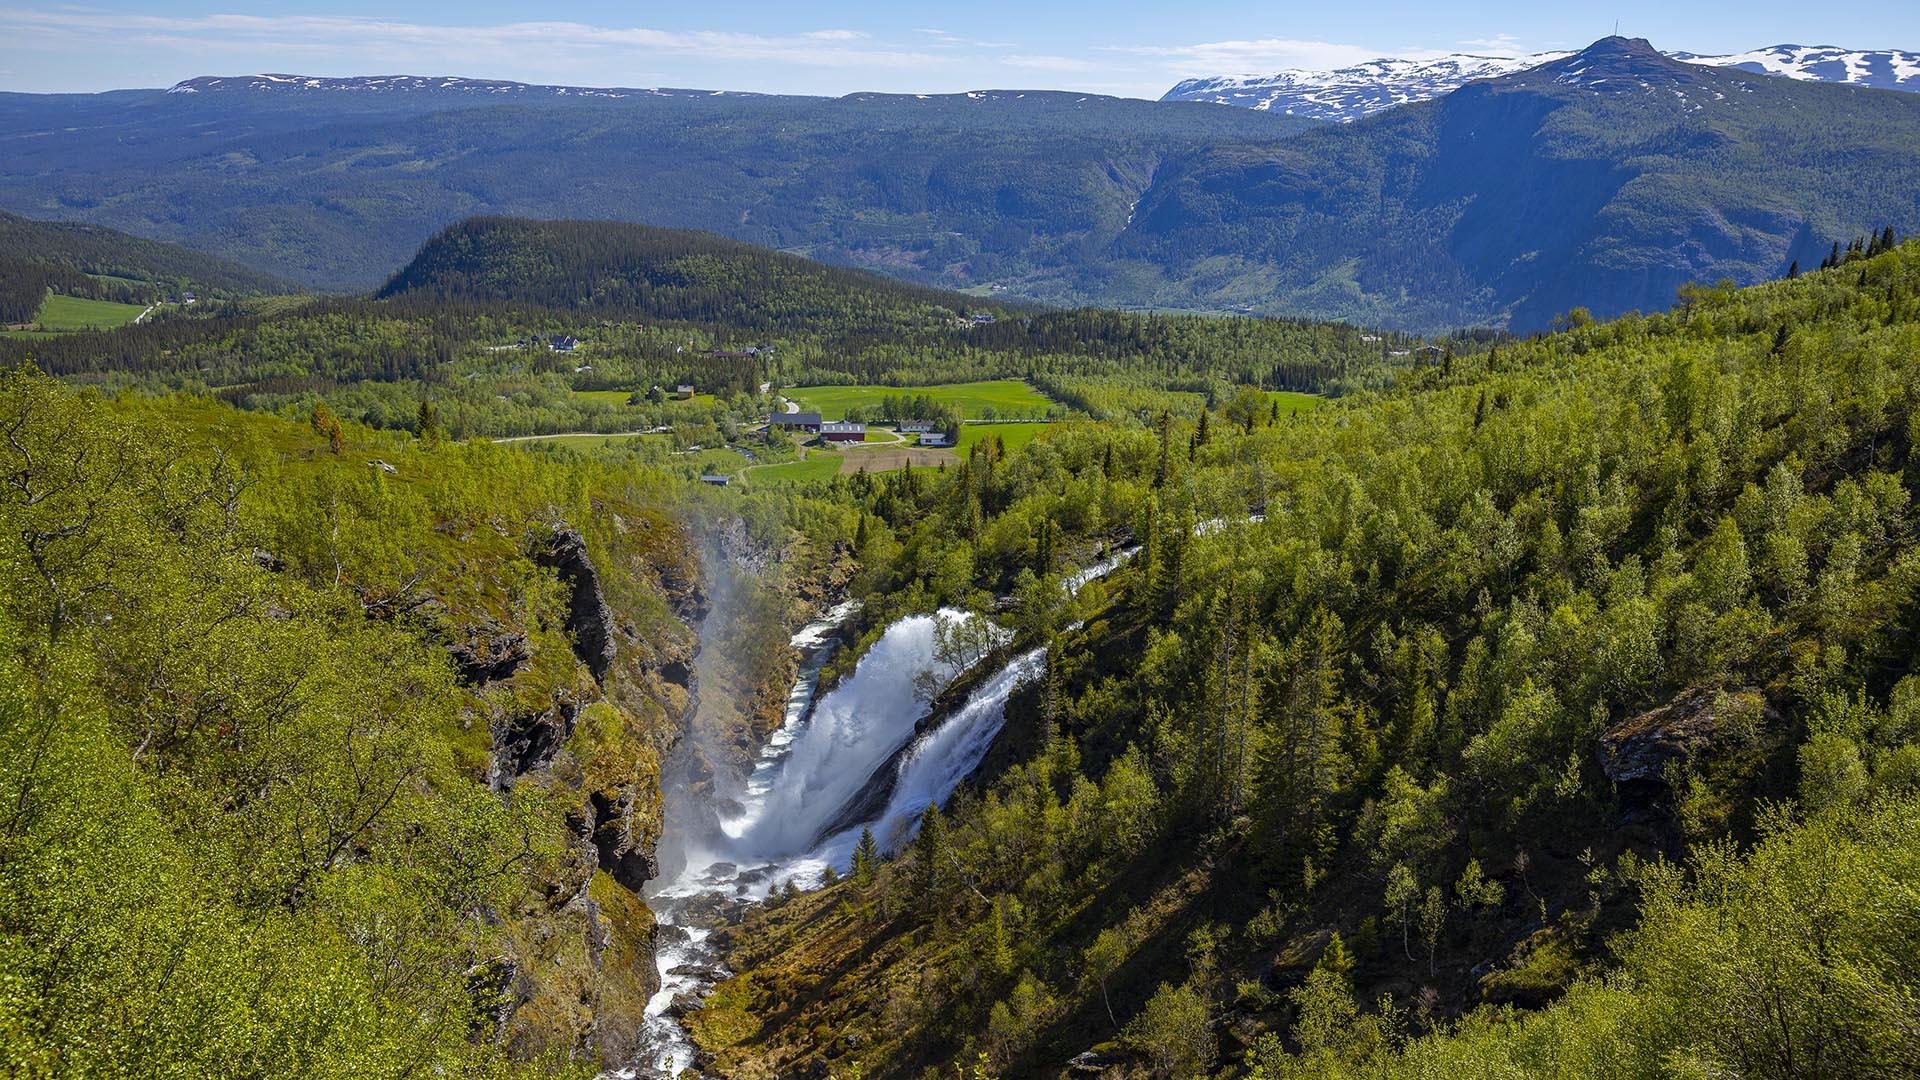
866, 858
929, 853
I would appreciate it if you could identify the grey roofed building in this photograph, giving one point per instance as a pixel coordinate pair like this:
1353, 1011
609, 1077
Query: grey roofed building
808, 421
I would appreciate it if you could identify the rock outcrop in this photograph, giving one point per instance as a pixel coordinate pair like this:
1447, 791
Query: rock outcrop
1637, 751
522, 744
489, 653
589, 620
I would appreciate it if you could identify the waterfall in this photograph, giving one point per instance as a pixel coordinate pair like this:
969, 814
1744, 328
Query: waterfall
944, 757
812, 773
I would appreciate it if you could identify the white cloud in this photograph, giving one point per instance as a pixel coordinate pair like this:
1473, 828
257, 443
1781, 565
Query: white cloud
1497, 45
358, 40
1260, 56
1049, 63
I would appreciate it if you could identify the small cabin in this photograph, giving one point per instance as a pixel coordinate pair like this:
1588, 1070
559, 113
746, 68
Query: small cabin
843, 431
563, 343
716, 479
684, 391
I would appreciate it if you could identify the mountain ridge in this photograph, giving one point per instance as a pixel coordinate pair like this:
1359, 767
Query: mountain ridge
1605, 179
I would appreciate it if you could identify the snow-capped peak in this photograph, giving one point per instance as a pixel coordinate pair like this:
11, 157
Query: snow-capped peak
1346, 94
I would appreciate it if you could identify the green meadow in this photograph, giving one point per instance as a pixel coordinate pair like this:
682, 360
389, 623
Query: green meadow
61, 314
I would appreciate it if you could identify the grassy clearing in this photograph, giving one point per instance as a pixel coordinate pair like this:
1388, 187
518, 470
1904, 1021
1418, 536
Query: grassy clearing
1012, 436
1292, 401
618, 398
589, 442
972, 399
814, 467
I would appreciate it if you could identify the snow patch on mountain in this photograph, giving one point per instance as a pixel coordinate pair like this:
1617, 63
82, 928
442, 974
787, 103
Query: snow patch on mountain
1885, 69
1349, 93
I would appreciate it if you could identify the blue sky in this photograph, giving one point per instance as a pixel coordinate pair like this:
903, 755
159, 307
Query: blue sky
1124, 47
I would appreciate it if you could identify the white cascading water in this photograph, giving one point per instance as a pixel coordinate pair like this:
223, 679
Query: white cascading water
852, 733
822, 758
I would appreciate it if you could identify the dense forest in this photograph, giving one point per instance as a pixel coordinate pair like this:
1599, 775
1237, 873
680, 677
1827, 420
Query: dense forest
1556, 714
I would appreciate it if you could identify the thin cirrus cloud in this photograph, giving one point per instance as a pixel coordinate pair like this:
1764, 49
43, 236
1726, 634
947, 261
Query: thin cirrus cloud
1258, 56
359, 38
75, 48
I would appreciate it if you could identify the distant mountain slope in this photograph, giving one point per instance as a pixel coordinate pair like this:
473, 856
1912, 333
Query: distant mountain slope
1605, 179
334, 189
73, 259
1347, 94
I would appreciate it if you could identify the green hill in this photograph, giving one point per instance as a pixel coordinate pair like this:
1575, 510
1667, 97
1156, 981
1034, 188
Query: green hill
638, 271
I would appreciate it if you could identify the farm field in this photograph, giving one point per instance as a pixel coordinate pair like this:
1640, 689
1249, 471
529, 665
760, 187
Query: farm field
891, 458
972, 399
814, 467
66, 313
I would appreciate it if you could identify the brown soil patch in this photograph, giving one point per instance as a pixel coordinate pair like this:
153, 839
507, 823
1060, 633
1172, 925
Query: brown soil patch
852, 461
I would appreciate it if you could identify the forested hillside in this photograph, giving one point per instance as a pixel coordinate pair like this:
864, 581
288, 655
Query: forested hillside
89, 261
613, 267
1554, 712
324, 751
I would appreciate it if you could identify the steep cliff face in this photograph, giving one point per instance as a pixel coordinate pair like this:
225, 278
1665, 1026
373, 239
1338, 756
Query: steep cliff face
582, 679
